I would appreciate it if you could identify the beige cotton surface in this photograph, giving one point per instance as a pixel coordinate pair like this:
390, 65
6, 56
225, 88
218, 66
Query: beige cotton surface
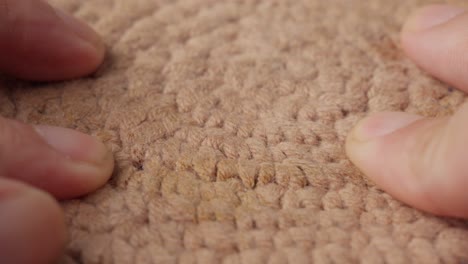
227, 120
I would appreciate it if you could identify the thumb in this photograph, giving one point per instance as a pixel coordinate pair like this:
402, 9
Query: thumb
32, 228
38, 42
421, 161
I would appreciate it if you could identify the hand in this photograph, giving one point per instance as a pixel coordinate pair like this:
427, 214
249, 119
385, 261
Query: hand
423, 161
39, 164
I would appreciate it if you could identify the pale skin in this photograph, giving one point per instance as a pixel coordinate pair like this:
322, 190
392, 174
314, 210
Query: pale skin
424, 164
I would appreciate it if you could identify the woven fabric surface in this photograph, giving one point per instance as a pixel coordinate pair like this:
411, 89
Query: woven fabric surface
227, 120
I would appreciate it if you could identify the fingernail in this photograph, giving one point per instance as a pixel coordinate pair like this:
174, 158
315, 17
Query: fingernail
431, 16
81, 30
382, 124
75, 145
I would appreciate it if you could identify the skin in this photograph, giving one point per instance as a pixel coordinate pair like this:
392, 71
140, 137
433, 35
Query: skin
41, 164
424, 163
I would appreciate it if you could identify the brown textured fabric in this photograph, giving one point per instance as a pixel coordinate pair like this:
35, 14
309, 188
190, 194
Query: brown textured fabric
227, 120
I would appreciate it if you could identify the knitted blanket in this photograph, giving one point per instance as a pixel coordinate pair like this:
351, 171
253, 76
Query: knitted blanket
227, 120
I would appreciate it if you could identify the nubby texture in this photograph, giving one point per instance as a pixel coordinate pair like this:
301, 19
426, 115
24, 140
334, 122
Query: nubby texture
228, 121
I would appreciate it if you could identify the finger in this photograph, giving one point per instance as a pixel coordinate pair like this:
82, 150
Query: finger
421, 161
32, 228
38, 42
435, 37
61, 161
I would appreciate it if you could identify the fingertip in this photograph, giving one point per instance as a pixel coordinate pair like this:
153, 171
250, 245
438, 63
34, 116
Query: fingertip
92, 44
380, 146
434, 38
412, 36
61, 161
419, 161
88, 164
365, 140
40, 43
